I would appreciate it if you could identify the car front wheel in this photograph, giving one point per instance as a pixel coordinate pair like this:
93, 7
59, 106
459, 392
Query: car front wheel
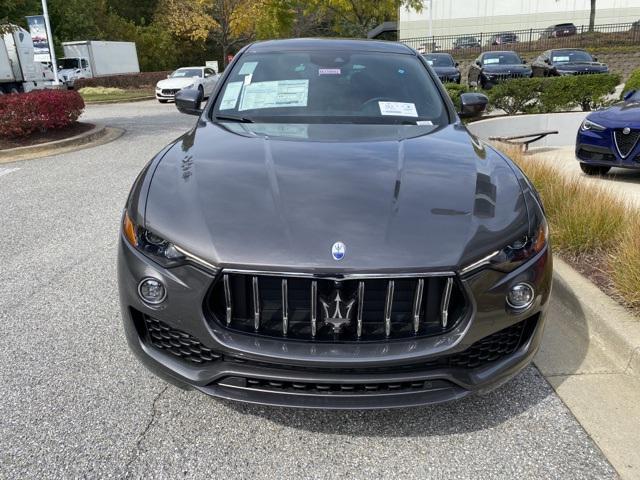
594, 169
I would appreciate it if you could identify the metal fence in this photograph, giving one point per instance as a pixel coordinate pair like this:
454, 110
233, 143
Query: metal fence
533, 39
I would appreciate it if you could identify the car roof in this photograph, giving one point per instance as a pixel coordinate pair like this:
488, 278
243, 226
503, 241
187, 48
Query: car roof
184, 68
441, 54
330, 44
500, 51
567, 49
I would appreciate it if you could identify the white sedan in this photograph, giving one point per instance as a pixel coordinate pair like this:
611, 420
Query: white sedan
201, 78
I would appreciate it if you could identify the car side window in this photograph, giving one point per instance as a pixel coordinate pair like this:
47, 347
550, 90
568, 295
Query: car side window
208, 72
84, 63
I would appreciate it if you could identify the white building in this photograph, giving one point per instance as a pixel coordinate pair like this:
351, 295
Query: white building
455, 17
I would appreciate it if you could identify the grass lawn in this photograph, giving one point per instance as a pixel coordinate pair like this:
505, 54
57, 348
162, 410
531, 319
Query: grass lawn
97, 94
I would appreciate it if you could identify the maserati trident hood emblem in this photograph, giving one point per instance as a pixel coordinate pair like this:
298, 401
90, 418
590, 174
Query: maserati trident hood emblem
338, 251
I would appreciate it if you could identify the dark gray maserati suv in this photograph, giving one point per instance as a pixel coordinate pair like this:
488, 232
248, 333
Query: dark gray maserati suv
330, 235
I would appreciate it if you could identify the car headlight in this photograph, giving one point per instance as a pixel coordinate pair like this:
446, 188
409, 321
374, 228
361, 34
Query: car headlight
150, 244
158, 88
592, 126
522, 250
189, 86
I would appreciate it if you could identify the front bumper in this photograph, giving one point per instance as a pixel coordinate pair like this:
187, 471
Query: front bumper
599, 148
272, 371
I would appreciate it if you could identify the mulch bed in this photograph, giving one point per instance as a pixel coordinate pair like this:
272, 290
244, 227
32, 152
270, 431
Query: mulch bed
596, 268
38, 138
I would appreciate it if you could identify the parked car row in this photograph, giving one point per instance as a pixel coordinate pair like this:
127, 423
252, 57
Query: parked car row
492, 67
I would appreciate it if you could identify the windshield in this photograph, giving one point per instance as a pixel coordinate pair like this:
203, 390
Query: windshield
570, 56
331, 87
68, 63
439, 60
502, 58
187, 72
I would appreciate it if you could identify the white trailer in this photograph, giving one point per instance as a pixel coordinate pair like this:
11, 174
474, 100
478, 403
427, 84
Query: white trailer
92, 58
19, 72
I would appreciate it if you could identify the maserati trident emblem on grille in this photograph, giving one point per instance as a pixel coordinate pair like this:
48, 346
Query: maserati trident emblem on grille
626, 130
338, 251
336, 312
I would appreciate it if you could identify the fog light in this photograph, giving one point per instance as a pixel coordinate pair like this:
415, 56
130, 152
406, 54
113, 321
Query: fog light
520, 296
152, 291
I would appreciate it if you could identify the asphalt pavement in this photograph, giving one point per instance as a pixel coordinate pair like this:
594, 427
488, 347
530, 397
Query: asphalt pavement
74, 403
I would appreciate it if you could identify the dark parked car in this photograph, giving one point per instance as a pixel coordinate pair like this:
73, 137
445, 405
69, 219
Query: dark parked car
493, 67
566, 61
445, 67
560, 30
609, 137
466, 42
330, 235
504, 38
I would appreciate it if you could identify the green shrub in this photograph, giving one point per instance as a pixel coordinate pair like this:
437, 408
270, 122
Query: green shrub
517, 95
633, 83
455, 90
590, 91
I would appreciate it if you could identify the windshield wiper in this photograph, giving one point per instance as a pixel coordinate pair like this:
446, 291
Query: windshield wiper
233, 118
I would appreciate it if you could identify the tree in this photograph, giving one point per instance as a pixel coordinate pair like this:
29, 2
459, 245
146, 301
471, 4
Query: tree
356, 17
592, 16
234, 23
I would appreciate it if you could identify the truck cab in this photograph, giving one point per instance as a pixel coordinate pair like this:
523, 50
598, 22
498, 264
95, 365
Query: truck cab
71, 69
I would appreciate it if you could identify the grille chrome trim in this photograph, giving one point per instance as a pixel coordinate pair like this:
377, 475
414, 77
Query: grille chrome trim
480, 263
360, 308
388, 308
615, 140
337, 278
256, 303
417, 305
446, 298
227, 297
285, 306
314, 308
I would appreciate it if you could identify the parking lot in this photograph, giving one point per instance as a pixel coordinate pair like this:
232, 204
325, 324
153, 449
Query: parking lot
77, 404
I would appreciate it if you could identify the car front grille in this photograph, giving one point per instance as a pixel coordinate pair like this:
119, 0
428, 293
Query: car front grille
625, 143
337, 310
177, 343
485, 351
449, 78
170, 91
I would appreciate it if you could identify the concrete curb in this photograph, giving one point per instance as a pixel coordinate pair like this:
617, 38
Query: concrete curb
108, 102
610, 325
99, 135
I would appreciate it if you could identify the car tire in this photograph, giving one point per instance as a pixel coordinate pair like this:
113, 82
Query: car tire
201, 93
162, 101
594, 169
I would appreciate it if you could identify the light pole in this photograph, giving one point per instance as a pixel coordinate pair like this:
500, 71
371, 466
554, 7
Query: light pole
52, 53
431, 25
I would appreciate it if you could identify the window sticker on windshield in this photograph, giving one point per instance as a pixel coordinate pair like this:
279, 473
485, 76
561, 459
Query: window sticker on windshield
430, 62
248, 78
398, 109
275, 94
564, 58
248, 68
424, 122
489, 61
329, 71
231, 94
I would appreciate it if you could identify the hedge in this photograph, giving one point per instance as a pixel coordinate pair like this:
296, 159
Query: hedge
133, 80
633, 83
553, 94
40, 110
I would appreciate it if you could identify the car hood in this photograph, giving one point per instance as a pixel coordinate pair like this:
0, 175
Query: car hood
67, 72
513, 68
581, 66
623, 114
179, 82
448, 71
277, 196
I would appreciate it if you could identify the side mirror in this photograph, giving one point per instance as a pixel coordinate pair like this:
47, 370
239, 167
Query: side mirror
457, 65
188, 101
478, 63
627, 95
547, 61
473, 104
595, 59
168, 75
524, 61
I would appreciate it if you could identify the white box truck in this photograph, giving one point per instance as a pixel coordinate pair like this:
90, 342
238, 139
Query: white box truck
19, 72
93, 58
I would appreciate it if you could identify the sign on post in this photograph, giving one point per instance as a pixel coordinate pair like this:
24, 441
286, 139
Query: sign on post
38, 31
